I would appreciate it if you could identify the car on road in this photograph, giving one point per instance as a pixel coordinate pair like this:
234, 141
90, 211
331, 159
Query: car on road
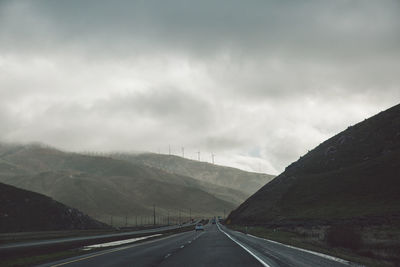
199, 227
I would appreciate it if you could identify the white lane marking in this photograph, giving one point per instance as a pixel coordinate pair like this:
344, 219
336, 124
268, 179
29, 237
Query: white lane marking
166, 256
117, 243
182, 246
189, 242
309, 251
242, 246
113, 250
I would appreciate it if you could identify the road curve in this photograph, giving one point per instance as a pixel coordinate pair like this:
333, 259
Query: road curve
216, 246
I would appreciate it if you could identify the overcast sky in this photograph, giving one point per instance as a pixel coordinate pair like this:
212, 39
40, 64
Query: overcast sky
257, 83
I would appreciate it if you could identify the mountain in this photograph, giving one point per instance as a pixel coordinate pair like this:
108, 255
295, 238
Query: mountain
353, 175
238, 180
23, 210
104, 187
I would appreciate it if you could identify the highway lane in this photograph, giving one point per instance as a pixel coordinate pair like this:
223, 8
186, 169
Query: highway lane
216, 246
208, 248
37, 243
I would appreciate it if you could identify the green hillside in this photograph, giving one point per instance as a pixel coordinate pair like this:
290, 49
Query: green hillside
104, 187
246, 182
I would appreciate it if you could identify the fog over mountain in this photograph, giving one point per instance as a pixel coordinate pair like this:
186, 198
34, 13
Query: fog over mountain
255, 83
127, 185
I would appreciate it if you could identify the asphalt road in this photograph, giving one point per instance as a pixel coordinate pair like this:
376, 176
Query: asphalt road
30, 244
216, 246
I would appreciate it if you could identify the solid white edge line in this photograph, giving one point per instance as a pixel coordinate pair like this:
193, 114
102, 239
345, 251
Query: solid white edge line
309, 251
246, 249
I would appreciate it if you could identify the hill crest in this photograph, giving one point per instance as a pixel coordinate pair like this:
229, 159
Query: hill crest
355, 173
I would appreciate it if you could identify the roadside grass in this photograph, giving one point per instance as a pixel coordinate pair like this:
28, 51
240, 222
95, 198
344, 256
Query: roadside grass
304, 241
29, 258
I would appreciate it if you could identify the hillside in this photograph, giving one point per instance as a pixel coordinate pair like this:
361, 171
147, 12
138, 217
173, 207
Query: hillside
353, 175
246, 182
23, 210
104, 187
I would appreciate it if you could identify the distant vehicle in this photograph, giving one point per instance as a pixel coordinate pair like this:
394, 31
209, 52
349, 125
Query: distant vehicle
213, 221
199, 227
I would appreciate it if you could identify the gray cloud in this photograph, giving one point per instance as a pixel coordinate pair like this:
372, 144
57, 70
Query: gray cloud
258, 83
170, 106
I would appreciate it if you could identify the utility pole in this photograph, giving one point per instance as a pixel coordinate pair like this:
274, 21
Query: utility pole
169, 150
179, 216
168, 217
224, 214
154, 214
183, 152
126, 221
190, 215
198, 155
212, 156
111, 220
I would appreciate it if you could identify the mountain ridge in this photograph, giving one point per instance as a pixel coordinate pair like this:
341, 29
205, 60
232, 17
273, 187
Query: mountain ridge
236, 179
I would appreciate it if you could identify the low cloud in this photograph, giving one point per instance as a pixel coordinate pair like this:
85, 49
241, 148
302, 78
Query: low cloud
256, 83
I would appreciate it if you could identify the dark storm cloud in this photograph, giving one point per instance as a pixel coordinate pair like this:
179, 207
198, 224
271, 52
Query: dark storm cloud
231, 77
301, 28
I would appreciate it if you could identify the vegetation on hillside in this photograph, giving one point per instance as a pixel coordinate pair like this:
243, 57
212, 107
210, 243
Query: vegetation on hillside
238, 180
